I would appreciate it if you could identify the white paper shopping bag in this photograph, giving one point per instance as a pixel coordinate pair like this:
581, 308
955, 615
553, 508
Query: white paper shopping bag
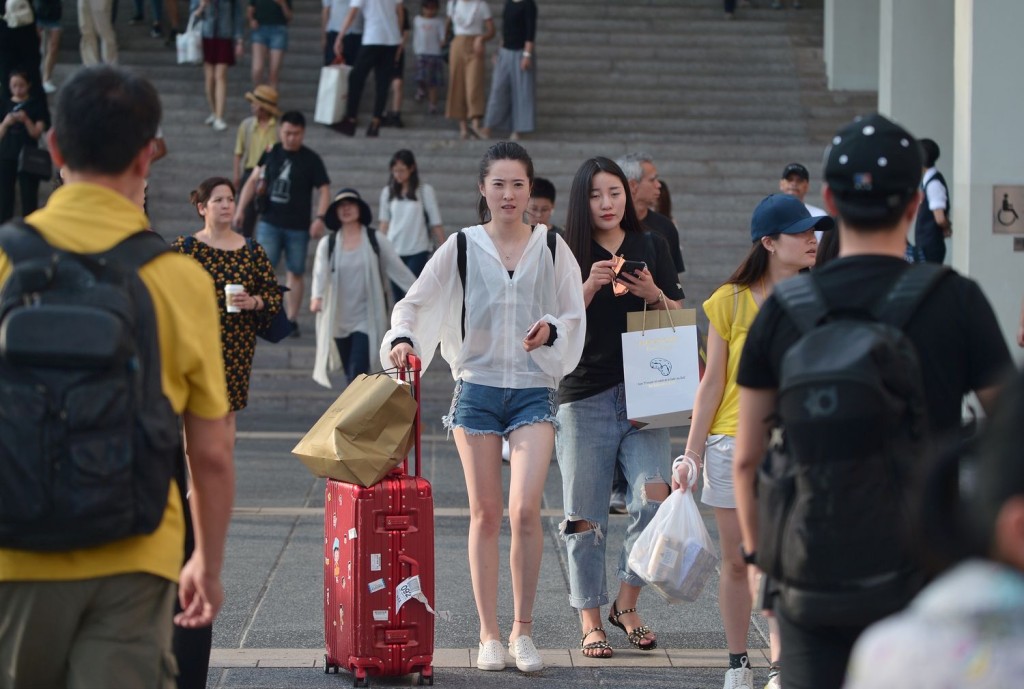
660, 367
331, 95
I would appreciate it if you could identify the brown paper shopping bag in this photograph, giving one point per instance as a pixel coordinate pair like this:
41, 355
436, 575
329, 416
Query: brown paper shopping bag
366, 433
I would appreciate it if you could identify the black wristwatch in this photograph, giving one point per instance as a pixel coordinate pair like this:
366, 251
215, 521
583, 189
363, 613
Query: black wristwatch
749, 558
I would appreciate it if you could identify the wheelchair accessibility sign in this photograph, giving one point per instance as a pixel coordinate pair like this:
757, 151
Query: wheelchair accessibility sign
1007, 209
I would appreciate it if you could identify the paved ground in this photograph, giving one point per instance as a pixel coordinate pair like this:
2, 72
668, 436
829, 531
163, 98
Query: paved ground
270, 632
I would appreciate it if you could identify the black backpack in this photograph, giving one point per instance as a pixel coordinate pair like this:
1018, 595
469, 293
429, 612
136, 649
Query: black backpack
89, 444
852, 426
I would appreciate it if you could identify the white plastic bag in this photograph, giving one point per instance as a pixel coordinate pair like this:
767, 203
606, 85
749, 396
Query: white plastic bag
331, 94
190, 43
674, 554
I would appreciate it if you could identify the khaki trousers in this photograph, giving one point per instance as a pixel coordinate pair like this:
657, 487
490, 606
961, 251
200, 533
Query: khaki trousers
106, 632
94, 20
465, 81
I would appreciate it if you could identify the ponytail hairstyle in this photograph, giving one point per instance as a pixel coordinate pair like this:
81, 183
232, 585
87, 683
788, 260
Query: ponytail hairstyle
202, 194
405, 157
503, 150
579, 224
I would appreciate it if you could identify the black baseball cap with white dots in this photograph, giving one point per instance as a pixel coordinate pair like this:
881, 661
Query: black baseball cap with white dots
873, 161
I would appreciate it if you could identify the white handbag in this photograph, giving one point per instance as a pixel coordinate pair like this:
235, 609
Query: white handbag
660, 367
190, 43
332, 93
18, 13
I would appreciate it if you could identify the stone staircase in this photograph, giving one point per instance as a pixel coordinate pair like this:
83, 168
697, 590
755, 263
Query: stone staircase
722, 106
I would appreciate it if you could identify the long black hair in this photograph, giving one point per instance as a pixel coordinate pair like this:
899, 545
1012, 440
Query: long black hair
503, 150
405, 157
579, 222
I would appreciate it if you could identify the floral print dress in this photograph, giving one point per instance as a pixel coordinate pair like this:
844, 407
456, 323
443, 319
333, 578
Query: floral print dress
250, 267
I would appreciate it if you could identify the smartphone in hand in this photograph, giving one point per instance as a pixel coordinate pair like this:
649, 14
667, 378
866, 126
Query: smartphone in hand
533, 330
630, 268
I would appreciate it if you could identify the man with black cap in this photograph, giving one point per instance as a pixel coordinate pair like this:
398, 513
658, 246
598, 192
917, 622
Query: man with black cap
872, 174
796, 181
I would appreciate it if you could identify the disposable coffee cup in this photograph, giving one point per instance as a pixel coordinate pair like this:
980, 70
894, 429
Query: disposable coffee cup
229, 291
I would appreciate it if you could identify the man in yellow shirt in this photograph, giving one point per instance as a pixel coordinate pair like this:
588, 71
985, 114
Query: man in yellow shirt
101, 616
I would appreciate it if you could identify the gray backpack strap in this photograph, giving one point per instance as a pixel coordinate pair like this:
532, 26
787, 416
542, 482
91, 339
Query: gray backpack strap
802, 300
20, 241
907, 293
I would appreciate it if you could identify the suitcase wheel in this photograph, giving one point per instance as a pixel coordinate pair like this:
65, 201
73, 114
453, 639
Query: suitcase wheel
328, 666
426, 676
361, 682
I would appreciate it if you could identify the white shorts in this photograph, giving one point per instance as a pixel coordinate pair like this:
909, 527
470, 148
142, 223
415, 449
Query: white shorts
718, 491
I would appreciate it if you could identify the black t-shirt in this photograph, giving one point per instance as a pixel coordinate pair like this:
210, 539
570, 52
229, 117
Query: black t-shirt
292, 177
269, 13
959, 345
657, 222
519, 24
17, 136
601, 364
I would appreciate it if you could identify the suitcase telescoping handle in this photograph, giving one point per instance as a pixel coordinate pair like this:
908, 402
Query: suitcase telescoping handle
411, 375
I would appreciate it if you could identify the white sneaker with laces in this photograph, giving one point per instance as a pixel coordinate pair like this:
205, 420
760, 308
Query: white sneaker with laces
739, 678
527, 657
210, 120
219, 125
491, 656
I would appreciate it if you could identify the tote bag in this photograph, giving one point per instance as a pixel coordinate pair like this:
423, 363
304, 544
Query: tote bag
190, 43
660, 367
331, 95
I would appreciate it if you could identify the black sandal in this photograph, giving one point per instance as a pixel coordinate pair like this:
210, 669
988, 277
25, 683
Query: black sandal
636, 635
601, 646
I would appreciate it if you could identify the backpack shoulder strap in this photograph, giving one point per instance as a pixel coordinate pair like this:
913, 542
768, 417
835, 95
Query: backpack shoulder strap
136, 250
460, 245
802, 300
909, 290
371, 234
20, 241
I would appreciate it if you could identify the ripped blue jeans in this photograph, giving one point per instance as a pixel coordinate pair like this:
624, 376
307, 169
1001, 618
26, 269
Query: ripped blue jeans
481, 409
593, 436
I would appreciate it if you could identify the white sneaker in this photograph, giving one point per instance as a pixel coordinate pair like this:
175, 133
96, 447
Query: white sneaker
739, 678
526, 655
49, 87
210, 120
491, 656
775, 681
219, 125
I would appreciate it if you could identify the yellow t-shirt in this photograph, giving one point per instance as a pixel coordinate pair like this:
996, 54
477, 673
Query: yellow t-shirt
730, 309
258, 143
86, 218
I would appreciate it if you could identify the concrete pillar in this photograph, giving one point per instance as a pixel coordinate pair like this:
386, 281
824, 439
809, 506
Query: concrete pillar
851, 44
915, 70
988, 103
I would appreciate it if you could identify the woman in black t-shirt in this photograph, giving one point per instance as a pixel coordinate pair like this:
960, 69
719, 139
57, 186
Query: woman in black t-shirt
22, 121
594, 434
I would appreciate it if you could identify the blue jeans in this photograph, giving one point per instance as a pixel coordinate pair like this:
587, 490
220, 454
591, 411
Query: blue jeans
594, 435
294, 244
274, 36
482, 409
415, 263
355, 354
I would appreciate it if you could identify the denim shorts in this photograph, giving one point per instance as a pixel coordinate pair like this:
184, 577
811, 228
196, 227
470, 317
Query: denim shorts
274, 36
294, 244
482, 409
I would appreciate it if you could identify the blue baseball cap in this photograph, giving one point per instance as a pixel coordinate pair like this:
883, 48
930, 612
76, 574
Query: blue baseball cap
785, 214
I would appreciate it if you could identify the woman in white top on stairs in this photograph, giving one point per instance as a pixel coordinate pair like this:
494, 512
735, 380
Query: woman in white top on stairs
409, 215
509, 335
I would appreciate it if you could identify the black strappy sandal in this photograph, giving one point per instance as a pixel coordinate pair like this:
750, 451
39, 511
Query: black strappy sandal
601, 645
635, 636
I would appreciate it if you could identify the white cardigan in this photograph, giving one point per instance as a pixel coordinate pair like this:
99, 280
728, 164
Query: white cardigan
325, 287
499, 311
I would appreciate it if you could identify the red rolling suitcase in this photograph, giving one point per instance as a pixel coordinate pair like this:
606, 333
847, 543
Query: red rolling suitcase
377, 541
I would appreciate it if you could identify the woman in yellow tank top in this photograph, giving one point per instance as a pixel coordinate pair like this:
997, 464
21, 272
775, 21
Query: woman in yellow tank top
782, 232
